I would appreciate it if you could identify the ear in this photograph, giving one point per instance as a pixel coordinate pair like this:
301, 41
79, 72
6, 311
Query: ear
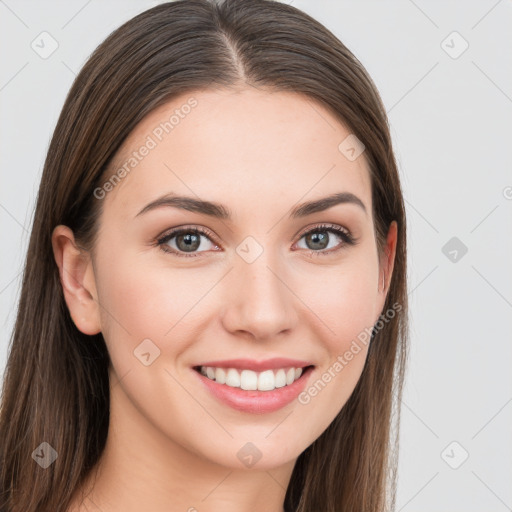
77, 280
387, 263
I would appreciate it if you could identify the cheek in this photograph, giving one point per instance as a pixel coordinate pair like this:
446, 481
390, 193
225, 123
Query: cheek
134, 302
344, 303
141, 300
344, 299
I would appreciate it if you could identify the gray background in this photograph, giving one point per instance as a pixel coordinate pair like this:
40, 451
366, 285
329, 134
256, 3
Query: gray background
450, 117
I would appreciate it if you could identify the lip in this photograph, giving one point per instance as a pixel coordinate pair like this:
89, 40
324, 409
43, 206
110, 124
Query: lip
254, 401
257, 366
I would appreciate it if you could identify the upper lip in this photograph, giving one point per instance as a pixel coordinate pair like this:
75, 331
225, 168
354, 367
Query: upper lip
257, 366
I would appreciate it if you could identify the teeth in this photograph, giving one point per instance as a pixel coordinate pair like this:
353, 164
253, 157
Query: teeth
220, 375
232, 378
249, 380
280, 378
266, 381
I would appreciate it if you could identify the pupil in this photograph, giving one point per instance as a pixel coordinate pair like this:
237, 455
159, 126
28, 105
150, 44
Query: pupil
319, 238
191, 241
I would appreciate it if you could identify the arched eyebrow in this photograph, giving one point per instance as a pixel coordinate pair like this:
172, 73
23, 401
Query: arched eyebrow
220, 211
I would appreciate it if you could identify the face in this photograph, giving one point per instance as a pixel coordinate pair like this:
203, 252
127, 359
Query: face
255, 283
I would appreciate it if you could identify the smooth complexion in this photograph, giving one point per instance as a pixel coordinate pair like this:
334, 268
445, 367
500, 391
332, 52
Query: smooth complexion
172, 445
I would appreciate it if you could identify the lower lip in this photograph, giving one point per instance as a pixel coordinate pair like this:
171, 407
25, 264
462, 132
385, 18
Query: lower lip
254, 401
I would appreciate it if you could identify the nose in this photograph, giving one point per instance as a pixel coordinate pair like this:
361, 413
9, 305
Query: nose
259, 300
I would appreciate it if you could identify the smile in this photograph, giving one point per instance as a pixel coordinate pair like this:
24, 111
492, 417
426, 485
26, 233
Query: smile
250, 380
240, 389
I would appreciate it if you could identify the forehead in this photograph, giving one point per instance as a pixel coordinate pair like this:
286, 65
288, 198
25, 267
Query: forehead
251, 149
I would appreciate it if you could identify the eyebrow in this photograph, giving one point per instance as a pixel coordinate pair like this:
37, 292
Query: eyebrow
222, 212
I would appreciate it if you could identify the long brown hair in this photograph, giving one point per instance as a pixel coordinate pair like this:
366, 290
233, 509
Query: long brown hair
56, 385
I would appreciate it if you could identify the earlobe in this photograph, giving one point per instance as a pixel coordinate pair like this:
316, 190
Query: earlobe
77, 280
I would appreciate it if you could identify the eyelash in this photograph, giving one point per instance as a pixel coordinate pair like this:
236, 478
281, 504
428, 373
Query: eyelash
343, 233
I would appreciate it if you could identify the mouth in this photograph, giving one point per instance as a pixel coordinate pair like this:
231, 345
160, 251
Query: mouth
250, 380
254, 392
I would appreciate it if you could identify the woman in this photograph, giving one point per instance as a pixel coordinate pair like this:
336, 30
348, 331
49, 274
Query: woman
213, 312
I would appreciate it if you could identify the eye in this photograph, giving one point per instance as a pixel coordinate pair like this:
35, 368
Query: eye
317, 240
189, 239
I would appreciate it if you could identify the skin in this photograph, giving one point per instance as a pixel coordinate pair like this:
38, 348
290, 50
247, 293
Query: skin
172, 446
